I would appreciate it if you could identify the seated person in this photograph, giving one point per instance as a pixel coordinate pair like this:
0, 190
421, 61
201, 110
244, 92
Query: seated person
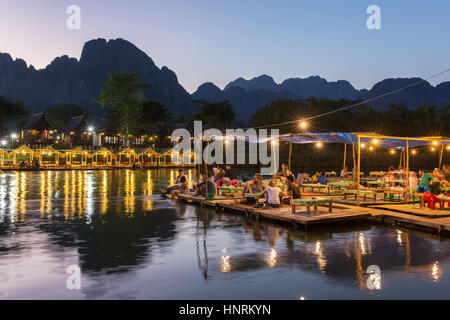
446, 182
344, 172
230, 177
285, 171
254, 186
322, 179
201, 187
272, 195
424, 184
218, 176
181, 184
315, 177
182, 187
292, 189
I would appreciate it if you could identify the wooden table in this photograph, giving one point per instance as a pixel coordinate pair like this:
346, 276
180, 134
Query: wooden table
443, 200
363, 193
312, 202
391, 194
312, 186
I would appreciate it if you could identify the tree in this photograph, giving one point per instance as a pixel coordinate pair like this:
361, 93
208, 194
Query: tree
124, 96
10, 112
215, 114
60, 114
153, 112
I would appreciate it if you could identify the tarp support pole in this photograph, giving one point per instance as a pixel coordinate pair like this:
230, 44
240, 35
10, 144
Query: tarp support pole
359, 166
407, 172
290, 153
440, 157
345, 157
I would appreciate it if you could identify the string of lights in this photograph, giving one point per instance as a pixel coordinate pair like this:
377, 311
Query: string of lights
303, 122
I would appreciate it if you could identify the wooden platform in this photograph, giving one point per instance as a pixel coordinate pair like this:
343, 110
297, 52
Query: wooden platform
391, 214
415, 210
283, 214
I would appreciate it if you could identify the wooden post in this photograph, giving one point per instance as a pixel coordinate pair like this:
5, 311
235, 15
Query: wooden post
440, 157
290, 153
206, 171
407, 172
354, 162
359, 167
345, 157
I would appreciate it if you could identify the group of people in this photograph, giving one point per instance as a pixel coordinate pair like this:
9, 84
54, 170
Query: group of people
279, 189
431, 181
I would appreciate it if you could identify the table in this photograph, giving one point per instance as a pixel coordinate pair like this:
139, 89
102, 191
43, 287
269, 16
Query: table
377, 183
419, 195
363, 193
312, 186
443, 200
312, 202
392, 193
229, 190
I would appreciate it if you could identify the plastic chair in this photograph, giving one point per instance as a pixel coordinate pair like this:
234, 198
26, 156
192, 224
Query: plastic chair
431, 200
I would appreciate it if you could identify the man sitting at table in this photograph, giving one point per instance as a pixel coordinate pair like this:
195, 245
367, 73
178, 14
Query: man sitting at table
322, 179
294, 189
254, 186
424, 184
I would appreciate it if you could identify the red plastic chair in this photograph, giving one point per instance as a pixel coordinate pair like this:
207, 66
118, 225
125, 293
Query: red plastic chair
431, 200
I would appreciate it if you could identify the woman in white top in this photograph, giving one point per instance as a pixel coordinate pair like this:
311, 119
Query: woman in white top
272, 194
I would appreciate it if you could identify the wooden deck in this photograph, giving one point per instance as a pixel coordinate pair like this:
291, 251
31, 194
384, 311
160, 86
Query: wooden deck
390, 214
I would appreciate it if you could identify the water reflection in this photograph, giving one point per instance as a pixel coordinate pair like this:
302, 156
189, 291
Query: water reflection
116, 227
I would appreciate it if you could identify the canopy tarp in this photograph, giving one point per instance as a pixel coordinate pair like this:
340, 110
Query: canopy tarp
367, 138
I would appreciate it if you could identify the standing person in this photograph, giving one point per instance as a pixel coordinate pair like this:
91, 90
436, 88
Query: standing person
344, 172
424, 184
413, 182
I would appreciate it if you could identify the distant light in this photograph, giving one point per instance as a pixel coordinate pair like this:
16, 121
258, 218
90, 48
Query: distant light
13, 135
319, 144
4, 142
375, 141
414, 152
362, 145
435, 143
371, 148
448, 147
392, 151
91, 129
227, 142
303, 125
274, 142
433, 149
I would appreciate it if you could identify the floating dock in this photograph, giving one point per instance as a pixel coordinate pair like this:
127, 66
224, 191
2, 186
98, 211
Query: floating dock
439, 223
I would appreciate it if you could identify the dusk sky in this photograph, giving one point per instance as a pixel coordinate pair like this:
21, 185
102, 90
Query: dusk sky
219, 41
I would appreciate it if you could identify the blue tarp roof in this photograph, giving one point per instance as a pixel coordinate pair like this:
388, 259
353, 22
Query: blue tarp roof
352, 137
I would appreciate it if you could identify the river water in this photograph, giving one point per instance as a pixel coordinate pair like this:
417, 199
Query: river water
129, 243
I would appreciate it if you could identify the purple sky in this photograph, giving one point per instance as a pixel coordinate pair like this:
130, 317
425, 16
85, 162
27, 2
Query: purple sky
218, 41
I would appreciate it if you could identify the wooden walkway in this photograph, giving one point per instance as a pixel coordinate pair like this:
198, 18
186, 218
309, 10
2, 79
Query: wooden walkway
342, 213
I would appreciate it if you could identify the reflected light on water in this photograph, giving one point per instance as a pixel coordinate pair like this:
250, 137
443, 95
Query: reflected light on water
399, 237
435, 273
273, 257
225, 265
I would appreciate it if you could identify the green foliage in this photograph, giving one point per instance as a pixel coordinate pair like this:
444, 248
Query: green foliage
215, 114
60, 114
10, 112
153, 112
426, 120
124, 97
